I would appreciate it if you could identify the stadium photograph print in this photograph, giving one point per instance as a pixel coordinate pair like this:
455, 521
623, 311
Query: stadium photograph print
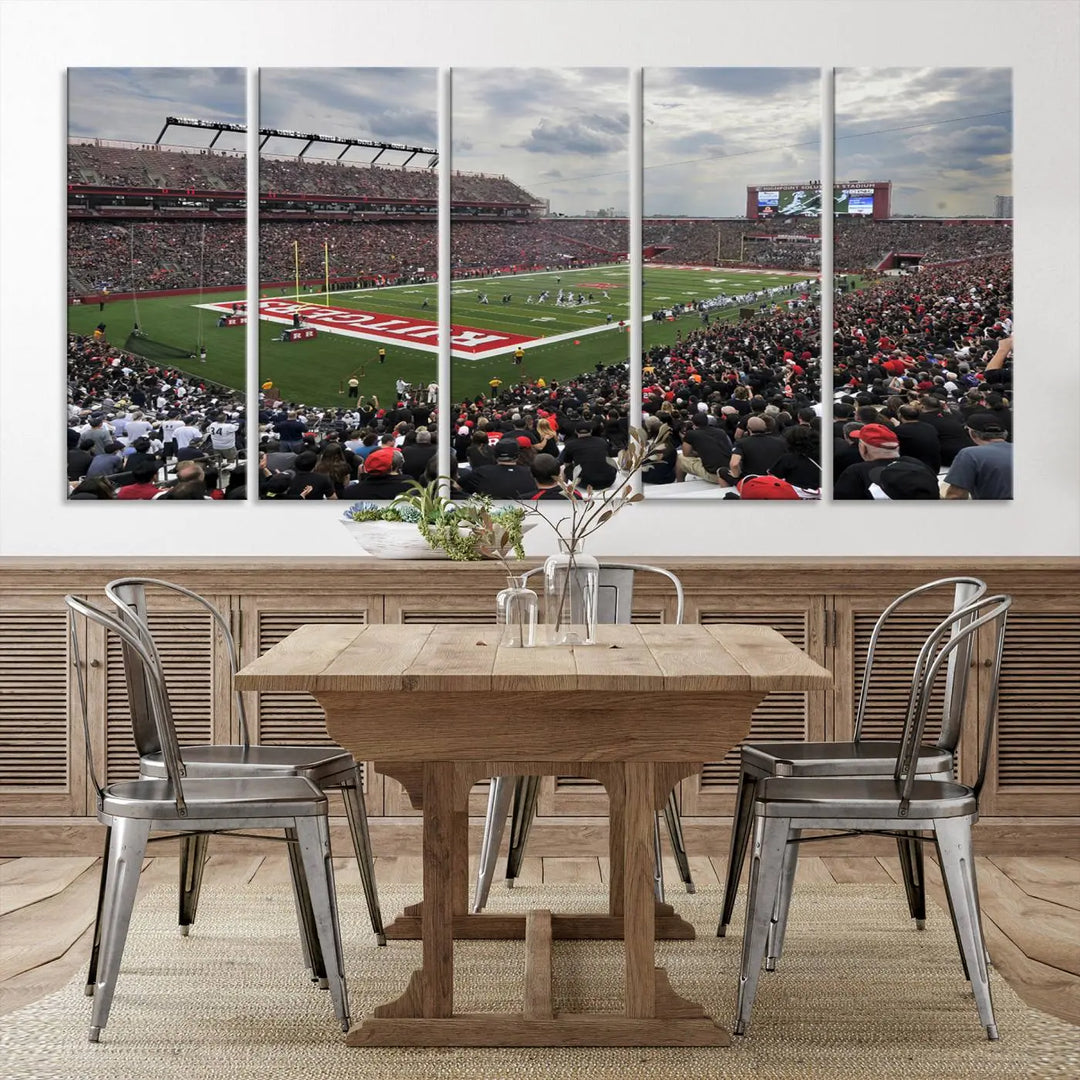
923, 355
348, 252
540, 300
156, 253
732, 246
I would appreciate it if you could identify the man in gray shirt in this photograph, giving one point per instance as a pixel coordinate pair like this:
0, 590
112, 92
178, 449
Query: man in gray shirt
985, 470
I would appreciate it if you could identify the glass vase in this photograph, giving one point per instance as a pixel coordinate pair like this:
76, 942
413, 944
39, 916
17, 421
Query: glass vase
571, 594
516, 612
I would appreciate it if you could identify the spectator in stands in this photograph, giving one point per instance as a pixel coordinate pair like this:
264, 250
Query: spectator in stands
879, 446
417, 451
143, 471
984, 470
798, 465
757, 451
333, 464
589, 453
307, 483
94, 487
706, 452
381, 478
508, 478
917, 438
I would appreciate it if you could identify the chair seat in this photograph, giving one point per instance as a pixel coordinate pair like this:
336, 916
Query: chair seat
231, 797
834, 799
863, 758
317, 763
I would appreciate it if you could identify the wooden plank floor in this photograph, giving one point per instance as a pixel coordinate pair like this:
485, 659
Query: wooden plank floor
1031, 908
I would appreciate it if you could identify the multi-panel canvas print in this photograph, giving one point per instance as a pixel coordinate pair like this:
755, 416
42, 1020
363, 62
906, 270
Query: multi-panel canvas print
923, 255
731, 253
348, 250
546, 312
541, 304
156, 256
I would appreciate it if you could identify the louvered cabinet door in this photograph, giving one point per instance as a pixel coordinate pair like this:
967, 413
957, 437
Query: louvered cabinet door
196, 668
789, 716
895, 654
42, 760
297, 718
1035, 762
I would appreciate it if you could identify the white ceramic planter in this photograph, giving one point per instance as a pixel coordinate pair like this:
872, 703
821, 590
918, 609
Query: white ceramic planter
392, 540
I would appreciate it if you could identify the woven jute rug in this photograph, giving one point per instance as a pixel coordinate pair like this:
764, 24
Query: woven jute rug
859, 994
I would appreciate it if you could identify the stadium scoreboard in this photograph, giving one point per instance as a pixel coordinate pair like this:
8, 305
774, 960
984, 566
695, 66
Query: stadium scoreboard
863, 198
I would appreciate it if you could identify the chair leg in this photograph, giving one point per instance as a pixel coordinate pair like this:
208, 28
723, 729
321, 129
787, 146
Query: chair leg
192, 862
317, 869
356, 815
952, 919
678, 845
766, 865
658, 861
526, 792
121, 873
500, 793
910, 850
741, 827
305, 918
778, 927
95, 949
953, 836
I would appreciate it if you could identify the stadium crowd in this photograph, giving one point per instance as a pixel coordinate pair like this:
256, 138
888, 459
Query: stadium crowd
138, 430
155, 167
152, 255
163, 167
922, 362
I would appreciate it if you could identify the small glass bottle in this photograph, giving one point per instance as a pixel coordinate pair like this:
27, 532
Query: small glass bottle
571, 594
516, 609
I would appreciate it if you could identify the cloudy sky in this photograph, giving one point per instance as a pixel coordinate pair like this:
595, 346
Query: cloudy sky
131, 103
561, 133
390, 104
712, 132
954, 153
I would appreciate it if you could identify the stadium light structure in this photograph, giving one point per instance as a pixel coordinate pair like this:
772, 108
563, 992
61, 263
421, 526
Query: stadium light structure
309, 139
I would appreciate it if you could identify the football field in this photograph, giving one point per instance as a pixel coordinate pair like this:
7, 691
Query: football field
559, 340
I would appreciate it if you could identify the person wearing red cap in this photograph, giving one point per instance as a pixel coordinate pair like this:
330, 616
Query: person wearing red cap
879, 446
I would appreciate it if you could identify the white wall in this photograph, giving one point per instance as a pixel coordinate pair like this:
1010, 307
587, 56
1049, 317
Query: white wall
1039, 40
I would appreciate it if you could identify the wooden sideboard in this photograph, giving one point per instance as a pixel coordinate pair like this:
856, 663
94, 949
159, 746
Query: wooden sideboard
825, 605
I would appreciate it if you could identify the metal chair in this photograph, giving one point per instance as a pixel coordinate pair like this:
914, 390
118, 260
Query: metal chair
900, 805
860, 757
328, 767
613, 606
179, 804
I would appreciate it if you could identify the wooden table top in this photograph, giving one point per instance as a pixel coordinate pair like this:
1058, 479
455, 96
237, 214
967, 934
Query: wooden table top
353, 658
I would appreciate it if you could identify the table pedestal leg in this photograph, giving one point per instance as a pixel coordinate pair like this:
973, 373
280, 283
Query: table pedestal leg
654, 1014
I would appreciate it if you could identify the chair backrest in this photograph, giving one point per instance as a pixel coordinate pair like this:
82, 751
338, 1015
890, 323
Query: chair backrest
140, 653
129, 594
954, 634
965, 591
616, 591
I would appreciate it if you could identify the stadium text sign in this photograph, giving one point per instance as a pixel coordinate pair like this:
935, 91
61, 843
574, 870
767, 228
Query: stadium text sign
420, 333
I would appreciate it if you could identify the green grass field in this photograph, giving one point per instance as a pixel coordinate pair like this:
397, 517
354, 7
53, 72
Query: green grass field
314, 371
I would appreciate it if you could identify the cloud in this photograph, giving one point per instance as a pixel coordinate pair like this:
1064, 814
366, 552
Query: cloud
587, 136
562, 133
131, 104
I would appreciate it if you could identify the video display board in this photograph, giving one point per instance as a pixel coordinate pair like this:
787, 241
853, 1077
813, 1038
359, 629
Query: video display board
806, 202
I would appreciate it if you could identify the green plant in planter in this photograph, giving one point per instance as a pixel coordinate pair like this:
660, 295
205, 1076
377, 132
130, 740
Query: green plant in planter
467, 531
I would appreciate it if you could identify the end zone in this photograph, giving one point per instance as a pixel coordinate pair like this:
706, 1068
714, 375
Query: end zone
466, 341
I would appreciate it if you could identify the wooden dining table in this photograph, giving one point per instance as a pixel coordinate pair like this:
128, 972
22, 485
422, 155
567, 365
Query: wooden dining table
440, 707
